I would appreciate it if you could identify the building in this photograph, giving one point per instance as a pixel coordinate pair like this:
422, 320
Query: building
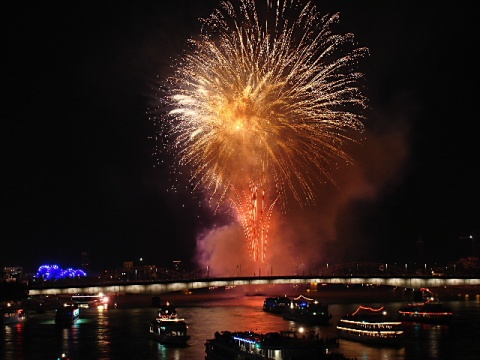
12, 273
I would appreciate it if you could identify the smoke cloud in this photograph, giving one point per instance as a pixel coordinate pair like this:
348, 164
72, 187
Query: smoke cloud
305, 239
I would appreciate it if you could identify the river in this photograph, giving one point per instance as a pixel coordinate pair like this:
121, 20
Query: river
122, 333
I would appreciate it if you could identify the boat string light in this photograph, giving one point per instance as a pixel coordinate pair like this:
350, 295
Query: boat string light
370, 309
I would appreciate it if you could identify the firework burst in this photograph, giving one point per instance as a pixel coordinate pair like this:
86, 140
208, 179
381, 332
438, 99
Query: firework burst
265, 99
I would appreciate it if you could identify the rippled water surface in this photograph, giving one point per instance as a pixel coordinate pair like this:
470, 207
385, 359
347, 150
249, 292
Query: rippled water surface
123, 333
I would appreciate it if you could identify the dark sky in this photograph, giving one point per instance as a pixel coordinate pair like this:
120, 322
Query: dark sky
77, 164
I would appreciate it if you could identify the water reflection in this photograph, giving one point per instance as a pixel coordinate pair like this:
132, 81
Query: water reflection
103, 333
169, 352
123, 333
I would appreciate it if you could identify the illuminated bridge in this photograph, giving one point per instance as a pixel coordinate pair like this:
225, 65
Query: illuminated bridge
353, 273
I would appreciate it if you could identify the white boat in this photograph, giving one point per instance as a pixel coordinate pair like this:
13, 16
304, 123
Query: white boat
173, 332
167, 328
13, 315
167, 311
372, 326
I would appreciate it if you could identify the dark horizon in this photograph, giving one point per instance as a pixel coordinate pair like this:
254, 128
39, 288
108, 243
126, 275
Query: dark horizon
78, 168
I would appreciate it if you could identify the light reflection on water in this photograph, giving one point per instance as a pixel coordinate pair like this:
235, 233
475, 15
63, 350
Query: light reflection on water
123, 333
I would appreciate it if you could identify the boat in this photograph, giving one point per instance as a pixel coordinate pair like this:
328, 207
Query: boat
307, 311
276, 305
173, 332
67, 314
427, 309
272, 346
167, 311
167, 328
372, 326
13, 315
91, 300
426, 312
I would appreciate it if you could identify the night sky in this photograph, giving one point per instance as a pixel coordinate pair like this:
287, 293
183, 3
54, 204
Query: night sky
77, 164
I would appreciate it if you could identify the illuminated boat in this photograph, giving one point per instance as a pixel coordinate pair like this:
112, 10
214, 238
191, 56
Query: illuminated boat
167, 328
371, 326
67, 314
307, 311
425, 308
90, 300
276, 305
12, 315
167, 311
173, 332
427, 312
272, 346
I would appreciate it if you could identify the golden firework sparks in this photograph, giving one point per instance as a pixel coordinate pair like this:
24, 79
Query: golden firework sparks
267, 96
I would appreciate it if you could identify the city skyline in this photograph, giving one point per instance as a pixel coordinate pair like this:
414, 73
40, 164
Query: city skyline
80, 173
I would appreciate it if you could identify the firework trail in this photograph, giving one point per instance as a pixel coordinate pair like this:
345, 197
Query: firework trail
263, 103
254, 214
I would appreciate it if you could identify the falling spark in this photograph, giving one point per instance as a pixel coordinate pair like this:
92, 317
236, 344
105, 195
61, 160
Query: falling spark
266, 99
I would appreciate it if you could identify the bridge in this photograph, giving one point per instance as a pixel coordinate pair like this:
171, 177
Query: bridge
351, 273
163, 287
